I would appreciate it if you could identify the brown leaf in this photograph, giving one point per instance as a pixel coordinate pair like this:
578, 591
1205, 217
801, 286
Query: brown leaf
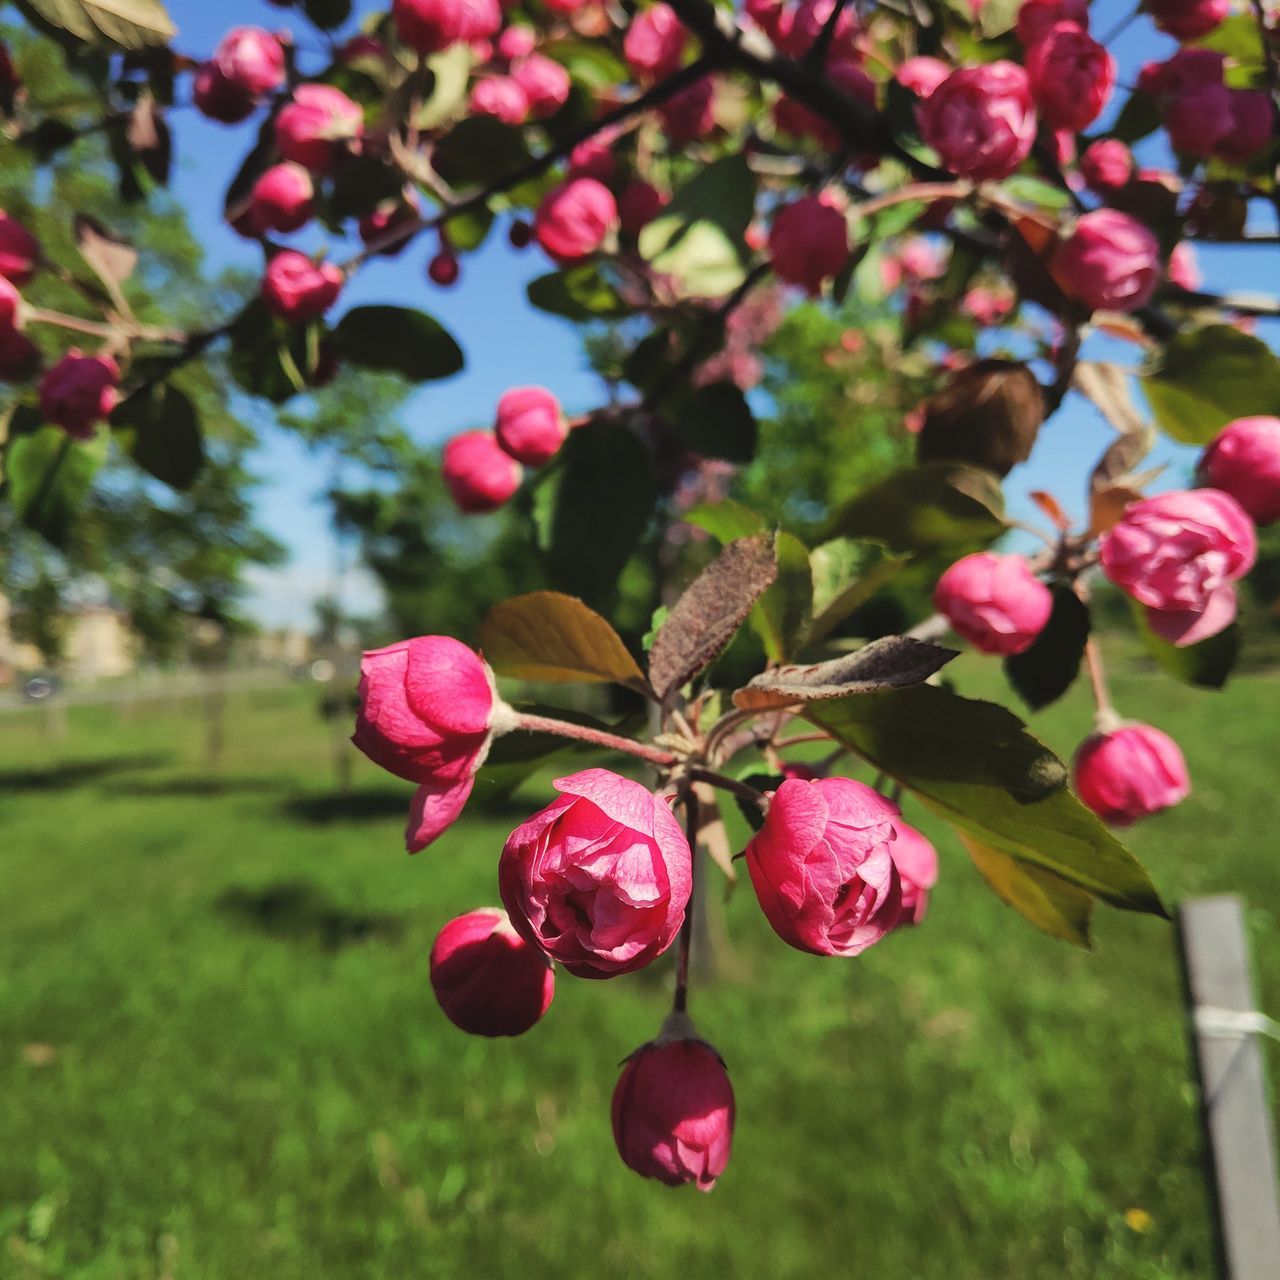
112, 258
1107, 506
706, 617
147, 134
892, 662
1107, 385
1052, 509
548, 636
713, 835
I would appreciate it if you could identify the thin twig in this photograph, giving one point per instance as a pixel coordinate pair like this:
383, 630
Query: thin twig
584, 733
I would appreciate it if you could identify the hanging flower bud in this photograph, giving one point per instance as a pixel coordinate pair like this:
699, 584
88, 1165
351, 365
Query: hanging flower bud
1130, 773
994, 601
574, 219
283, 199
1110, 262
297, 289
480, 477
809, 242
530, 425
79, 392
500, 97
655, 43
544, 82
1244, 461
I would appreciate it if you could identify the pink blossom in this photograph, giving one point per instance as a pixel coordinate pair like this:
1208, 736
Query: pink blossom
400, 211
994, 601
1244, 461
1183, 269
1186, 69
19, 356
1037, 17
1072, 77
480, 477
594, 158
1188, 19
655, 43
808, 242
500, 97
297, 289
428, 26
316, 127
980, 120
987, 306
638, 205
218, 98
1130, 773
600, 878
917, 863
251, 59
822, 866
79, 392
530, 425
516, 42
488, 980
1179, 554
575, 218
691, 113
1107, 165
1109, 262
800, 24
922, 75
283, 199
545, 84
19, 250
673, 1112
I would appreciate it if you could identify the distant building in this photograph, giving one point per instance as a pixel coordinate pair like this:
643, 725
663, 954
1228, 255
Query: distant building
99, 645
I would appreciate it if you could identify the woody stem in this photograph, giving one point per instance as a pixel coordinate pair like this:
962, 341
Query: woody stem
601, 738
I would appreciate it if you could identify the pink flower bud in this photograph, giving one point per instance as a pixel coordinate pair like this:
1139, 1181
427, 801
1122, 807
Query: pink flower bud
1110, 262
1130, 773
822, 866
428, 26
1183, 269
638, 205
994, 601
980, 120
600, 878
218, 98
488, 979
574, 219
545, 84
500, 97
426, 715
10, 305
1252, 118
1199, 118
317, 125
250, 59
390, 215
297, 289
443, 269
530, 426
673, 1112
19, 250
1244, 461
1178, 554
19, 356
1072, 77
917, 863
79, 392
655, 43
283, 199
1037, 17
1107, 165
594, 158
1188, 19
516, 42
922, 75
691, 113
1186, 69
808, 242
480, 477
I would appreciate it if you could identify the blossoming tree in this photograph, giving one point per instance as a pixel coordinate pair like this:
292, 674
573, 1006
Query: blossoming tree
672, 161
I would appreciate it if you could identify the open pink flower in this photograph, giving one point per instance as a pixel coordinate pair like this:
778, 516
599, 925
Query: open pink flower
994, 601
1072, 77
1109, 262
673, 1112
822, 866
426, 715
488, 980
600, 878
917, 863
1179, 554
1130, 773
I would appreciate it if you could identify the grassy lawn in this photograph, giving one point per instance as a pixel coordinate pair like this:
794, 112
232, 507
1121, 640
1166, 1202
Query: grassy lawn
220, 1057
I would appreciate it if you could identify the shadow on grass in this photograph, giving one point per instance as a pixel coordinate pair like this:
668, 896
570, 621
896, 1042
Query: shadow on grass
76, 773
295, 911
354, 806
196, 786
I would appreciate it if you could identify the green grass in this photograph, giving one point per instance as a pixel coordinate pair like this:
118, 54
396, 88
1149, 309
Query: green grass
220, 1057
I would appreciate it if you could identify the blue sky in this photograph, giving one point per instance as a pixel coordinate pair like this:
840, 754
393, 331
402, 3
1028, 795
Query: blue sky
507, 343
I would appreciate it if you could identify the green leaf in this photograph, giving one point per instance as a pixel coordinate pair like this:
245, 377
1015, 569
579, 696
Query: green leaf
1054, 905
48, 474
451, 70
127, 24
548, 636
699, 238
577, 293
1138, 118
1207, 377
934, 507
717, 422
1043, 673
267, 357
159, 430
781, 616
725, 521
327, 14
361, 183
1036, 191
1208, 665
974, 764
397, 340
594, 507
847, 572
477, 150
589, 62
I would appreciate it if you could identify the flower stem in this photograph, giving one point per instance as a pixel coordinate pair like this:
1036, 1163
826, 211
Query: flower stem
1106, 717
741, 789
584, 733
